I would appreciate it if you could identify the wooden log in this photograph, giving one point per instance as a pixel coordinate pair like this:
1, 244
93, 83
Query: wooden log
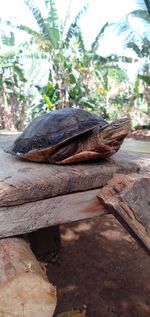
129, 195
24, 288
48, 212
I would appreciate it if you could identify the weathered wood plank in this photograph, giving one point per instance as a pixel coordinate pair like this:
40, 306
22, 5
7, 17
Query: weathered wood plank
52, 211
24, 287
130, 196
22, 181
27, 190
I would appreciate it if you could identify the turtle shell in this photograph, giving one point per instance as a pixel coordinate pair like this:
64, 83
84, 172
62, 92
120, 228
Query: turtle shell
50, 131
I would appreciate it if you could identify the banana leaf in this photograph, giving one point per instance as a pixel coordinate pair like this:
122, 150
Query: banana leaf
145, 78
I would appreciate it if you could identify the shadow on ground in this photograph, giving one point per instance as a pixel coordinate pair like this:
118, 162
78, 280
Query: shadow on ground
102, 266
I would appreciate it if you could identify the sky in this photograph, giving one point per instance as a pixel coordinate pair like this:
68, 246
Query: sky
99, 13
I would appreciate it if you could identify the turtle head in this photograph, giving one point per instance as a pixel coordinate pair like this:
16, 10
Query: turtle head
114, 134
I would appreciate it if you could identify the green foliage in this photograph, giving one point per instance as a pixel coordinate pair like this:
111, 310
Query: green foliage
52, 19
146, 79
74, 30
49, 35
50, 98
95, 44
77, 77
8, 40
11, 73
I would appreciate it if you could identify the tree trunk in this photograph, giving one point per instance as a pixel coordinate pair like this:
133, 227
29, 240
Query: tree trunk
7, 115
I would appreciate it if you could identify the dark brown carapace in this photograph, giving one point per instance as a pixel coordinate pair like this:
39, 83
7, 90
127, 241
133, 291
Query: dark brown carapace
70, 135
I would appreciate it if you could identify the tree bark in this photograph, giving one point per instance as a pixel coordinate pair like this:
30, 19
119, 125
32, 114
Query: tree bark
24, 288
7, 116
129, 196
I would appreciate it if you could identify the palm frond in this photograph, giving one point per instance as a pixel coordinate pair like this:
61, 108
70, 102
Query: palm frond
73, 25
81, 12
48, 33
71, 32
100, 59
9, 53
131, 32
64, 23
143, 50
80, 39
144, 19
36, 14
124, 29
19, 71
36, 36
52, 19
147, 4
8, 40
75, 32
54, 37
142, 14
95, 43
145, 78
33, 52
135, 48
28, 30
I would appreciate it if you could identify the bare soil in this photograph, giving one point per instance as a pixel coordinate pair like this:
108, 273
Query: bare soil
140, 134
102, 266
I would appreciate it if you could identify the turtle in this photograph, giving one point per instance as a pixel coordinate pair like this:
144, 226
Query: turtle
69, 135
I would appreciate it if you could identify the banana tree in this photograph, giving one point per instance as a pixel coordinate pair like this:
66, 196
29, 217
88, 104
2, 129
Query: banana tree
12, 81
69, 62
76, 76
54, 39
135, 32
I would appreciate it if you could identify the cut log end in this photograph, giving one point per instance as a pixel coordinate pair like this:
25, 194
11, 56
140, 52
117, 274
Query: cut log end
24, 288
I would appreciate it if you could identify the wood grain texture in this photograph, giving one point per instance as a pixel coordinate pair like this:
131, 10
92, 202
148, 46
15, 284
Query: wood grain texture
130, 196
24, 287
28, 217
32, 195
22, 181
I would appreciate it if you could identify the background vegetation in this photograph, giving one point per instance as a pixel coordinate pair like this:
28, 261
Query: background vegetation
53, 69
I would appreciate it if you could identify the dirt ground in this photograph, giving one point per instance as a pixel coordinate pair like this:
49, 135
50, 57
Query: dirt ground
140, 134
102, 266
